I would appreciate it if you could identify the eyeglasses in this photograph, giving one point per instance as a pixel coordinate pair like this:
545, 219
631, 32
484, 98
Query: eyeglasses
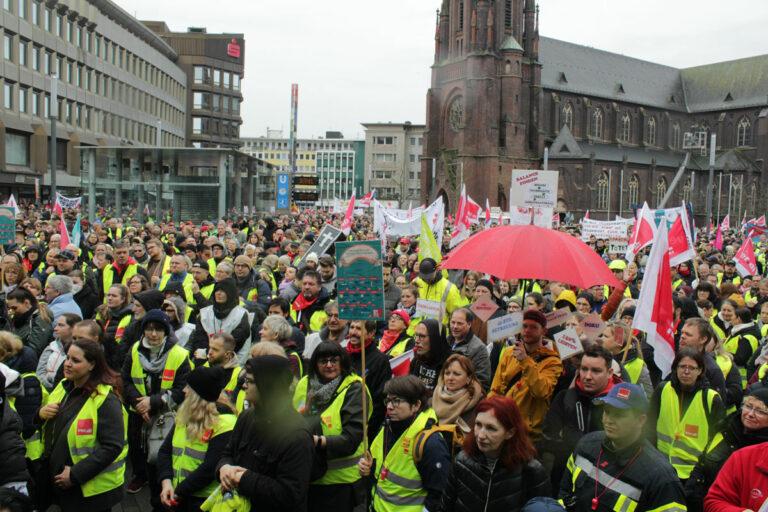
758, 411
325, 361
393, 401
688, 369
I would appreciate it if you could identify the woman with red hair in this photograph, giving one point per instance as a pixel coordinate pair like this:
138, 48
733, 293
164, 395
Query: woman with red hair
497, 469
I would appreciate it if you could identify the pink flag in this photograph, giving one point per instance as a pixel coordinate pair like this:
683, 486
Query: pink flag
760, 221
346, 225
745, 259
64, 234
586, 214
401, 364
680, 243
726, 223
719, 238
642, 234
367, 198
57, 208
487, 213
654, 313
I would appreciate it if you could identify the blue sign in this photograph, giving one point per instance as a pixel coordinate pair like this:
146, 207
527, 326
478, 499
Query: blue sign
283, 192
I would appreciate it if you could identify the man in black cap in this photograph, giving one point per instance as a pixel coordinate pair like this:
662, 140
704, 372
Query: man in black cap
437, 289
268, 458
65, 262
202, 288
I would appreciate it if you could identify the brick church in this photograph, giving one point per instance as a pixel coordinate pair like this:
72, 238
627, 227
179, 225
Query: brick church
615, 126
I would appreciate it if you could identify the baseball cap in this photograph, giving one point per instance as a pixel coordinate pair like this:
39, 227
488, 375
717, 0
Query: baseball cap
625, 396
66, 255
427, 267
617, 265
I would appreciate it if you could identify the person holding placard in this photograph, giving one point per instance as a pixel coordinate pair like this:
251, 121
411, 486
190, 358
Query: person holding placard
618, 340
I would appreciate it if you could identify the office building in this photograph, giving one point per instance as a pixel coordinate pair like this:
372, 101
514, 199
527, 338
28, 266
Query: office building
393, 161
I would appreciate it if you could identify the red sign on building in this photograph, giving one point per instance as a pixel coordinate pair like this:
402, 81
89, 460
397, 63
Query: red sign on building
233, 49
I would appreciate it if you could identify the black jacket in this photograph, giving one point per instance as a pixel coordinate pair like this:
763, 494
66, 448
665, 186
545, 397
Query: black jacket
12, 450
277, 450
115, 351
377, 373
474, 486
87, 299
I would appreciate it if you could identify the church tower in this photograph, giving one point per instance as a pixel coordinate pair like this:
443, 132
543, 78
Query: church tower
483, 103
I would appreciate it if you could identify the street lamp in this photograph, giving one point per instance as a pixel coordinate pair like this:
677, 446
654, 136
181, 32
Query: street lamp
53, 112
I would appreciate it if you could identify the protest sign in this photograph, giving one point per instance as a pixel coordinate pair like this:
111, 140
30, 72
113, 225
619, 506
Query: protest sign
604, 229
7, 225
557, 317
535, 189
429, 308
484, 309
324, 241
593, 326
359, 282
568, 343
505, 326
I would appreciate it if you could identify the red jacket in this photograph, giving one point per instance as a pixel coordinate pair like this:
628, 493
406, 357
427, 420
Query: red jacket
742, 483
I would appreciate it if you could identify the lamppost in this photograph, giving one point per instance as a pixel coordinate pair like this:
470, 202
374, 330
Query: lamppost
53, 112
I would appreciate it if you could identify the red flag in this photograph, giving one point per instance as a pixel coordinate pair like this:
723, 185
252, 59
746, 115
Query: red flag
57, 207
719, 238
586, 214
680, 244
654, 313
346, 225
367, 198
760, 221
746, 265
64, 234
401, 364
726, 223
642, 233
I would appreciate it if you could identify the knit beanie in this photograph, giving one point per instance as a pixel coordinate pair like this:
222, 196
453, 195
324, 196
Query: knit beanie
485, 283
760, 392
536, 316
156, 316
150, 299
208, 382
244, 260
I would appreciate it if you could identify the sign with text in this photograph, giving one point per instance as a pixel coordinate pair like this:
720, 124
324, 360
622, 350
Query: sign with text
593, 326
505, 326
484, 309
611, 230
359, 283
429, 308
557, 317
535, 189
7, 225
568, 344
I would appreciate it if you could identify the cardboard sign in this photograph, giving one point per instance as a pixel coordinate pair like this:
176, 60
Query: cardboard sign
359, 280
568, 344
429, 308
534, 188
593, 326
323, 242
484, 309
558, 317
505, 326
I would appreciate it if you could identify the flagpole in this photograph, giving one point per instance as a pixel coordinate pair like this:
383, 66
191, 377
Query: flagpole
365, 397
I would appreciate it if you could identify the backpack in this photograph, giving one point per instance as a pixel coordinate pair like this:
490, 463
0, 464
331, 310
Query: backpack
453, 435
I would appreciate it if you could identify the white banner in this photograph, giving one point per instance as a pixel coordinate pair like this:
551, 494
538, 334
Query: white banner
533, 188
388, 224
611, 230
68, 202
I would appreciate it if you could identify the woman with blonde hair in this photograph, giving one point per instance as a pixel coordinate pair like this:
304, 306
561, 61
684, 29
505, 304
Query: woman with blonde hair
618, 340
457, 392
11, 276
468, 286
186, 461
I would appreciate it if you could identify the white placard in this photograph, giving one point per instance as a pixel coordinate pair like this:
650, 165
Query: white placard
533, 188
558, 317
611, 230
593, 326
484, 308
505, 326
568, 343
429, 308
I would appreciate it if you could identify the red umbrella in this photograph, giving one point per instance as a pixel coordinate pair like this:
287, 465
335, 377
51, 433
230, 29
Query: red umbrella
531, 252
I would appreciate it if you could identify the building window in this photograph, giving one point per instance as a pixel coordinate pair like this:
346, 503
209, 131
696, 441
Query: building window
216, 102
507, 13
59, 25
200, 74
197, 125
35, 103
7, 5
661, 189
687, 190
634, 188
227, 80
23, 52
197, 100
651, 138
36, 58
388, 141
735, 193
384, 157
47, 19
217, 77
412, 158
676, 143
626, 128
602, 192
23, 93
8, 47
16, 149
744, 133
70, 32
7, 96
22, 9
235, 81
568, 116
596, 124
35, 12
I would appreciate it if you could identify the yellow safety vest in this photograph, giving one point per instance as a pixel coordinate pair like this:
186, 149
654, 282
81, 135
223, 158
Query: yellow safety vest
762, 371
725, 364
316, 321
109, 276
212, 267
207, 291
33, 443
187, 455
443, 292
634, 368
398, 348
342, 470
238, 399
683, 438
732, 346
186, 284
176, 357
82, 439
398, 486
736, 279
718, 331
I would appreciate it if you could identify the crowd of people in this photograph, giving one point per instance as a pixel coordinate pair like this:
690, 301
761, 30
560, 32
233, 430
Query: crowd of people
208, 363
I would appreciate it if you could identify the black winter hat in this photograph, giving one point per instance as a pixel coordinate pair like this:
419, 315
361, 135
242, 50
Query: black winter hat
150, 299
208, 382
158, 317
759, 391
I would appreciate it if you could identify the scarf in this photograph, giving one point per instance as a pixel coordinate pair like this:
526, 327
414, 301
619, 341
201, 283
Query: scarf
388, 339
357, 350
156, 364
301, 303
319, 394
120, 269
603, 392
449, 406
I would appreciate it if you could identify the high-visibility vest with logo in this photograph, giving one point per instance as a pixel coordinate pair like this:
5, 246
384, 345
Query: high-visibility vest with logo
82, 439
207, 291
634, 368
399, 487
725, 364
176, 357
342, 470
683, 438
399, 347
732, 346
187, 455
33, 443
762, 372
736, 279
186, 284
109, 276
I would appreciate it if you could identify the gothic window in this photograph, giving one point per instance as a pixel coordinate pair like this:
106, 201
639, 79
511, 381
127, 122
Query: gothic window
596, 124
661, 189
744, 133
456, 114
568, 116
752, 198
461, 15
626, 128
687, 190
602, 192
651, 135
634, 187
508, 14
735, 194
676, 143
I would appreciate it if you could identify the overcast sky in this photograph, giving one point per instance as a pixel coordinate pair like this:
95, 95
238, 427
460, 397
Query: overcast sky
368, 60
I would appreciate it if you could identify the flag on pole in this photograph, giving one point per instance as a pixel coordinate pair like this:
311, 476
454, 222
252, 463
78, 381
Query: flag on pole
77, 232
760, 221
346, 225
367, 198
487, 213
726, 223
654, 312
64, 234
746, 265
680, 244
401, 364
642, 233
719, 237
12, 203
428, 247
57, 209
586, 214
744, 220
